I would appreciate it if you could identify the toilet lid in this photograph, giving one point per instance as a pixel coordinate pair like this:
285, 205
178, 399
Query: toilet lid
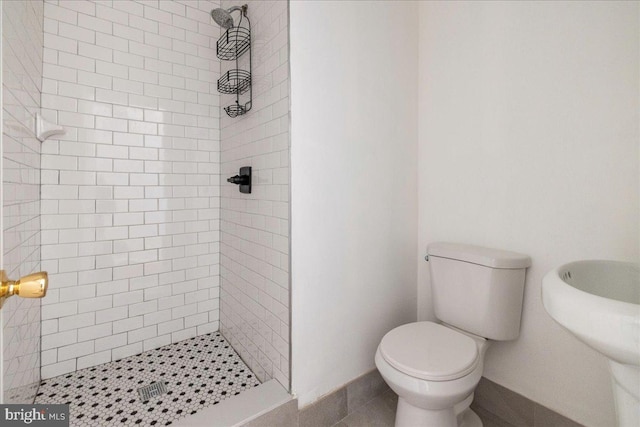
429, 351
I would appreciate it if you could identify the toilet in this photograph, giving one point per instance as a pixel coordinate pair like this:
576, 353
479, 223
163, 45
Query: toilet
434, 367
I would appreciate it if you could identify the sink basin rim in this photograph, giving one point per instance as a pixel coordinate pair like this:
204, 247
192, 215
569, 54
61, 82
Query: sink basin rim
610, 326
627, 268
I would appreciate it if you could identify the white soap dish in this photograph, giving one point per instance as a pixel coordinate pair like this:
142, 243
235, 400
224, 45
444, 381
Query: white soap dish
45, 129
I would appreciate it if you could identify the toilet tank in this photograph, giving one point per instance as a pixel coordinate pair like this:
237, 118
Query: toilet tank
478, 290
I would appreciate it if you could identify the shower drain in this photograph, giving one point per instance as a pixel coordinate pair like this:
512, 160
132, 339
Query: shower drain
152, 390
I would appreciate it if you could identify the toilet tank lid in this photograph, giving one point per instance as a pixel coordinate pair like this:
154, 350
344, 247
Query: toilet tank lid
494, 258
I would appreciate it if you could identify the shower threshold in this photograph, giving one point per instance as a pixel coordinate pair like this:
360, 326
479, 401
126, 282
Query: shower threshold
190, 375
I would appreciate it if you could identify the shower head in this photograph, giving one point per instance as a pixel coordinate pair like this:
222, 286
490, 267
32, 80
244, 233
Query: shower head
223, 17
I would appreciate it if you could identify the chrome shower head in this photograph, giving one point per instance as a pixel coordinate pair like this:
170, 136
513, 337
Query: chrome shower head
223, 17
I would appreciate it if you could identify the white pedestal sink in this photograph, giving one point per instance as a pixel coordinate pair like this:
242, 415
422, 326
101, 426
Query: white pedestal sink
599, 303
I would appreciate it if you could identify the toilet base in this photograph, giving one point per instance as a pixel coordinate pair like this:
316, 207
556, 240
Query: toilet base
470, 419
408, 415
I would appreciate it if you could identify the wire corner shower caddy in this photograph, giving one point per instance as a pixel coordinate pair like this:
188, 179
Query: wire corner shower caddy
233, 44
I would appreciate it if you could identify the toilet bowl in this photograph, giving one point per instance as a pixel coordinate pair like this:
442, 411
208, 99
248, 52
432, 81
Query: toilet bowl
435, 367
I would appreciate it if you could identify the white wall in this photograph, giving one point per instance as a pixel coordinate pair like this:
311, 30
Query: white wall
529, 142
353, 107
21, 77
130, 210
254, 228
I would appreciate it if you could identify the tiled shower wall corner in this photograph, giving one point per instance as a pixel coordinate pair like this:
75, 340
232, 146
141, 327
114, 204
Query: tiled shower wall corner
21, 87
130, 194
254, 264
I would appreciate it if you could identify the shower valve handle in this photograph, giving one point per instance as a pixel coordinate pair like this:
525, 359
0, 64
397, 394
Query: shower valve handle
239, 179
243, 179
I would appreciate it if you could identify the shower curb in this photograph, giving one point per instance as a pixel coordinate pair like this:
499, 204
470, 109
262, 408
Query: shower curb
242, 409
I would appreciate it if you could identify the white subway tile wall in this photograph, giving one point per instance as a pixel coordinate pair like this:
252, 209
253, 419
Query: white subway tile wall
254, 264
21, 87
131, 192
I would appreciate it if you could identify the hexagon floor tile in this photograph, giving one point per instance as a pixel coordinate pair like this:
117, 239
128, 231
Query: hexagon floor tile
198, 372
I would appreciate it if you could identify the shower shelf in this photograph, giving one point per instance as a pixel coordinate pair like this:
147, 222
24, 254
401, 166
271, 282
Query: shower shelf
233, 43
234, 82
235, 110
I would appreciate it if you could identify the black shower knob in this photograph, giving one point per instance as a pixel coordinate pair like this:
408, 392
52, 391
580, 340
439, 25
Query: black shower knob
243, 179
239, 179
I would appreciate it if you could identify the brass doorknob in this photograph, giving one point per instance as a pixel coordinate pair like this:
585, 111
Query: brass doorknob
30, 286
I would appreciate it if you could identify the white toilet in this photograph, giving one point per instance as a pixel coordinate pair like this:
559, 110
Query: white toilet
435, 367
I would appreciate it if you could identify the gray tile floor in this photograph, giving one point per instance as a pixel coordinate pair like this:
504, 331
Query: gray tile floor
381, 412
378, 412
368, 402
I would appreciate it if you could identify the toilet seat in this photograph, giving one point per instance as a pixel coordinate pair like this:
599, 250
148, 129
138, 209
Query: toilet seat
430, 351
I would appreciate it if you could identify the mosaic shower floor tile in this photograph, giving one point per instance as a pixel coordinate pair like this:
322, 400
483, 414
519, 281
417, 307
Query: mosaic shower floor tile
192, 374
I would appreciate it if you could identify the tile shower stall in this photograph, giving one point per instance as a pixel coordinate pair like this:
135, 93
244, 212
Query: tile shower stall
151, 254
